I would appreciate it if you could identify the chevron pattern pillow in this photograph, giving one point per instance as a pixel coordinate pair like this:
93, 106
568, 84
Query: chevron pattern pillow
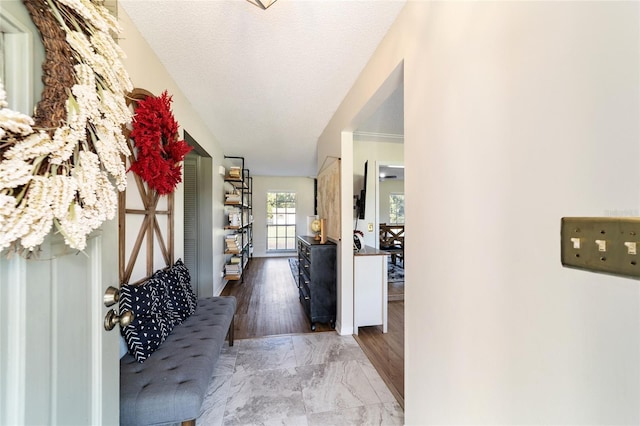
153, 319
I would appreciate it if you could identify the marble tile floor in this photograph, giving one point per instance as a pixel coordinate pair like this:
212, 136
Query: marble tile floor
307, 379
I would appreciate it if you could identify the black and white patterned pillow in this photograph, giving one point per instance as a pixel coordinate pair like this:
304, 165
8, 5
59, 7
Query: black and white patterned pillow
136, 298
164, 307
181, 271
174, 298
144, 335
152, 323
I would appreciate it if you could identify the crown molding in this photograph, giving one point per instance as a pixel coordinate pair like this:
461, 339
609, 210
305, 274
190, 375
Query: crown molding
377, 137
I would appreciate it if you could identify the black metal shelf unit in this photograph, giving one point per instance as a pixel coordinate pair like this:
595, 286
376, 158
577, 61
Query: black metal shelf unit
238, 206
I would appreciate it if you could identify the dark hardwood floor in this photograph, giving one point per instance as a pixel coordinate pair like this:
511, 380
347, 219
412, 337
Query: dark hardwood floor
268, 305
268, 302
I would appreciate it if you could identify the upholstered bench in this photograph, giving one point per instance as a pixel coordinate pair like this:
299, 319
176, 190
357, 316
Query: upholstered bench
166, 381
170, 385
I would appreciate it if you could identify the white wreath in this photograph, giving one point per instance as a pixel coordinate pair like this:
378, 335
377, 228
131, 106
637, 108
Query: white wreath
74, 192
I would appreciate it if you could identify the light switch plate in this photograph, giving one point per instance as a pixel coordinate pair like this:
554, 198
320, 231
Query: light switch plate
601, 244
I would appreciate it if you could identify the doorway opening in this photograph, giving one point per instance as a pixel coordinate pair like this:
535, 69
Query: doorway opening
378, 140
198, 220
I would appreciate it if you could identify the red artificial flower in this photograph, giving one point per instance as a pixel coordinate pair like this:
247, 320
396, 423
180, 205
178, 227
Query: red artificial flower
159, 153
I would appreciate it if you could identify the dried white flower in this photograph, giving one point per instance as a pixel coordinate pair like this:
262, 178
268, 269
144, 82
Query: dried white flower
39, 196
7, 212
79, 42
33, 146
7, 206
108, 197
88, 11
63, 192
38, 230
105, 47
74, 190
39, 209
104, 14
108, 148
15, 173
14, 122
73, 228
115, 110
84, 104
86, 174
67, 139
13, 226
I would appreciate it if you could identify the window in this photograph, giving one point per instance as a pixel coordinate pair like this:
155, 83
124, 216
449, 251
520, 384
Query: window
281, 221
396, 208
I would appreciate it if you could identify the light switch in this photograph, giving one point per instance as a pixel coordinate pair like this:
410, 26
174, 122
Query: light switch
631, 247
370, 227
600, 244
576, 243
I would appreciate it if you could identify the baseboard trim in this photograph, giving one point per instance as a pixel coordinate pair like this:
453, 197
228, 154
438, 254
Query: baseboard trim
343, 331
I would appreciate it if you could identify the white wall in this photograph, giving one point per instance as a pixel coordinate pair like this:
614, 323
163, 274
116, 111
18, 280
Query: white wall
148, 73
302, 186
516, 114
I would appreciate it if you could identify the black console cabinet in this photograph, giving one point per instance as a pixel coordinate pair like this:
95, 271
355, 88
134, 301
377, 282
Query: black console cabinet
317, 280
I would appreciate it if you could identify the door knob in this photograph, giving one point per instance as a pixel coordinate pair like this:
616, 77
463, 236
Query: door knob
111, 319
111, 296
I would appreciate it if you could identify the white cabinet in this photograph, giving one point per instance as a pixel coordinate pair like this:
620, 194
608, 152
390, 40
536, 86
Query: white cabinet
370, 288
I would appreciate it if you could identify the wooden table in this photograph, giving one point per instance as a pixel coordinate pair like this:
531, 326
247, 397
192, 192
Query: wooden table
392, 241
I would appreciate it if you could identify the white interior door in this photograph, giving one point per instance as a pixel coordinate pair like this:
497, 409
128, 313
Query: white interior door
59, 366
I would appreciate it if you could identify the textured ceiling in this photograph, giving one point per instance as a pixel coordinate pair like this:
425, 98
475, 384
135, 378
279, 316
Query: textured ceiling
266, 82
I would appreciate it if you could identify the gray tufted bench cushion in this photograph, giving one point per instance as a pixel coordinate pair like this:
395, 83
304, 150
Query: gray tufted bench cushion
170, 385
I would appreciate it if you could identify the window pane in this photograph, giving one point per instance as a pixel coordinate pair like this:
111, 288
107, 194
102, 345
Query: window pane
396, 208
271, 202
291, 243
281, 219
